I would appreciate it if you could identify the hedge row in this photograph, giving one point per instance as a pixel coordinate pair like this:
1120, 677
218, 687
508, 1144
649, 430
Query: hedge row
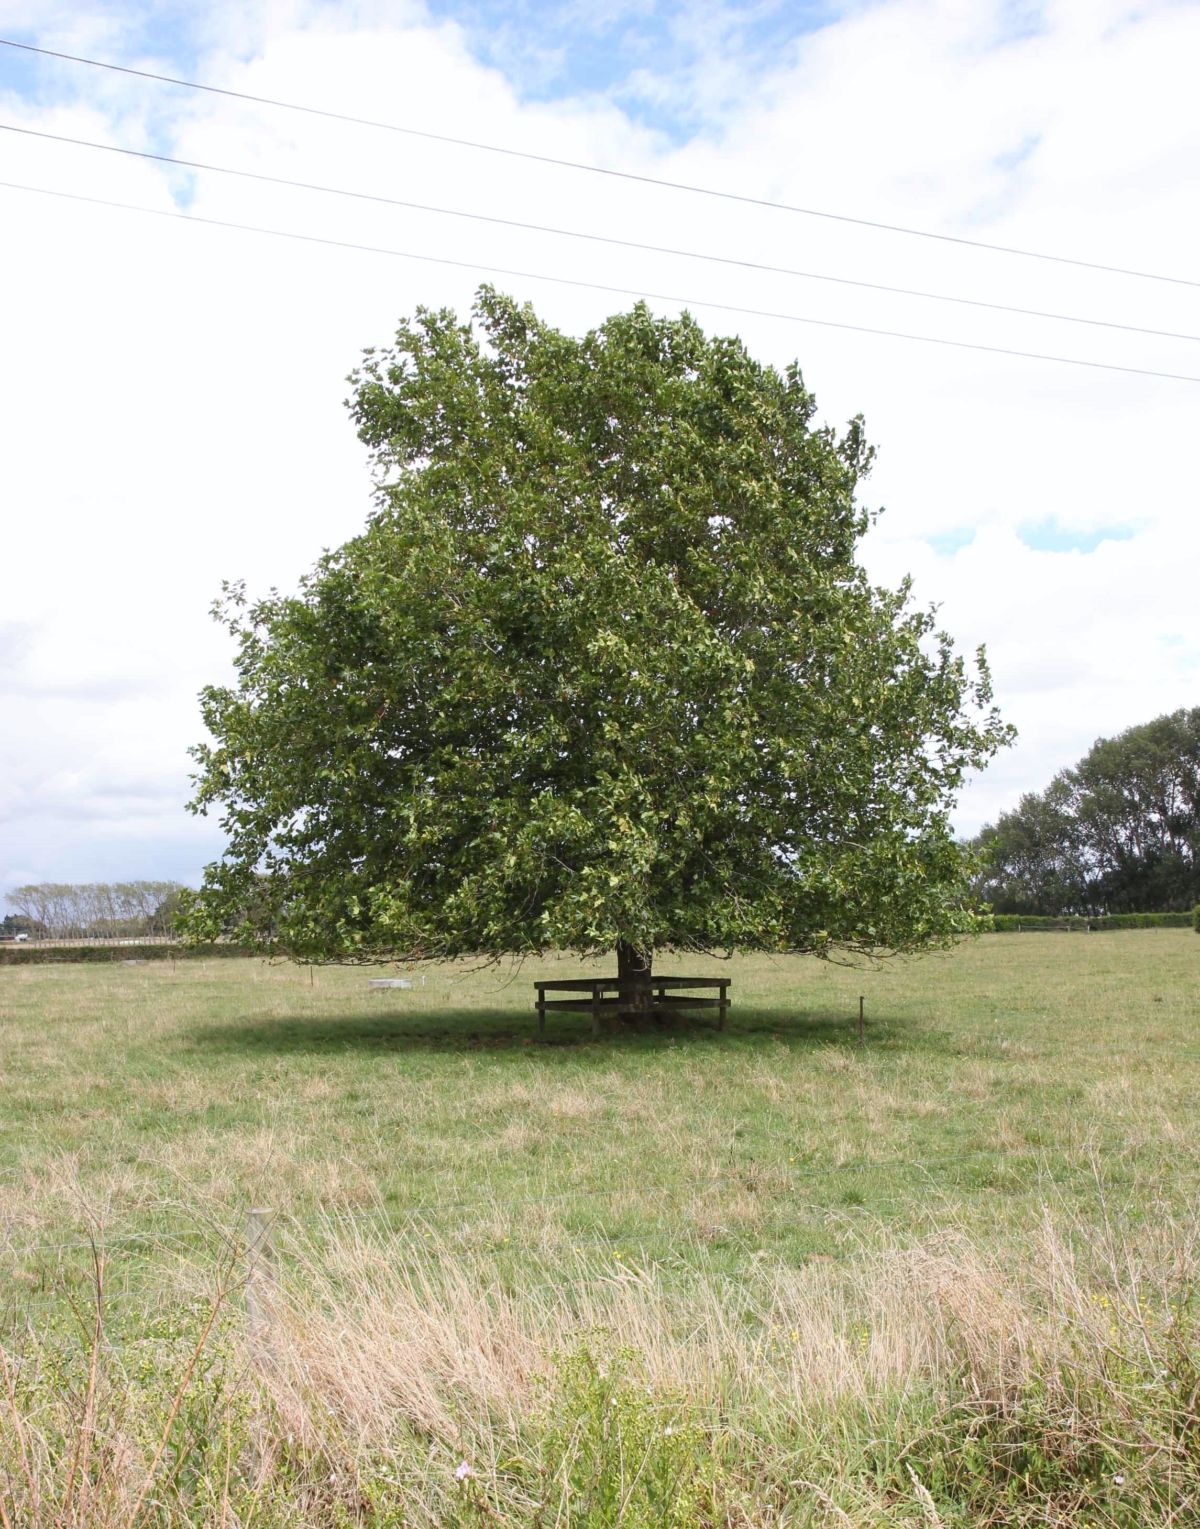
37, 955
1026, 923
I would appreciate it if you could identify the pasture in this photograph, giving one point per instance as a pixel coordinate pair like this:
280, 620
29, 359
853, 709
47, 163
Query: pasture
670, 1276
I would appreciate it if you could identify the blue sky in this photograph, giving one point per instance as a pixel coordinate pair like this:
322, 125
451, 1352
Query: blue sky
172, 392
550, 51
622, 50
1049, 536
547, 51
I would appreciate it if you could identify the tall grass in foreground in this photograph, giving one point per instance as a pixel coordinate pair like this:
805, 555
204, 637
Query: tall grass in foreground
397, 1382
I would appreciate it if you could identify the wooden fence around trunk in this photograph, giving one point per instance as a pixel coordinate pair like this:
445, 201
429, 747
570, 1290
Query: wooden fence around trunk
604, 996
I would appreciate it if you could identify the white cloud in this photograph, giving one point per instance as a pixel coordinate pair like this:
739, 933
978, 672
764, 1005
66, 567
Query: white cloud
172, 393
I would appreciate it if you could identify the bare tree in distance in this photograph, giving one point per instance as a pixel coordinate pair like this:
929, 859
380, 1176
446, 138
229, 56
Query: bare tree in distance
96, 910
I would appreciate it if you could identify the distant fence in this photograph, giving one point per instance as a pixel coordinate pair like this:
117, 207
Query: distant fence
89, 941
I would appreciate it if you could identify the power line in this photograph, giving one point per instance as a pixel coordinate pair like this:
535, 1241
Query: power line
590, 169
571, 233
597, 286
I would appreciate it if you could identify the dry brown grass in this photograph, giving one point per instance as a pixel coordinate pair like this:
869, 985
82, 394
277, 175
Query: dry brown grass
388, 1360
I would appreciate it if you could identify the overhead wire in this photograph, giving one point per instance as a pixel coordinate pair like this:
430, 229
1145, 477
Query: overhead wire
582, 166
208, 167
597, 286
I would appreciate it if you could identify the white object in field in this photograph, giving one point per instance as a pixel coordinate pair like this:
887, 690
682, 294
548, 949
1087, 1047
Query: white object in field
389, 982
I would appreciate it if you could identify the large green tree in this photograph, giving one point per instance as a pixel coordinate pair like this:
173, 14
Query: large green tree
601, 673
1119, 832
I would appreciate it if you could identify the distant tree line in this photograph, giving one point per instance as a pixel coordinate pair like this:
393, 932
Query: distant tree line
1117, 833
96, 910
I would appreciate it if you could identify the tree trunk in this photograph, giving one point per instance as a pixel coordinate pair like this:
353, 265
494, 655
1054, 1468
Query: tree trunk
633, 975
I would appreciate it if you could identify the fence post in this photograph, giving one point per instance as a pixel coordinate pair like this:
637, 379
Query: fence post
862, 1032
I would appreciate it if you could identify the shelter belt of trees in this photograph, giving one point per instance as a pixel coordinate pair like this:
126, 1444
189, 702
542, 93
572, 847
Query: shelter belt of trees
1117, 833
95, 910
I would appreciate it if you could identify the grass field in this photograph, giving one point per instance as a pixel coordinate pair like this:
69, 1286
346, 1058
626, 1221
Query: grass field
821, 1263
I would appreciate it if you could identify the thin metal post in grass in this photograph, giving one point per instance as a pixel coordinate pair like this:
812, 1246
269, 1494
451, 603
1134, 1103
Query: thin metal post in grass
260, 1280
260, 1291
862, 1027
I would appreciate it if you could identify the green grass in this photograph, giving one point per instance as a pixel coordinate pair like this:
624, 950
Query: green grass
662, 1182
1005, 1073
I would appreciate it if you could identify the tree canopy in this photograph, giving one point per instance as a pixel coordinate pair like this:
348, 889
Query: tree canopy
1119, 832
601, 671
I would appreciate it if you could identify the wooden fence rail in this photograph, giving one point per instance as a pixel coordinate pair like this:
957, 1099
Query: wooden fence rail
603, 995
